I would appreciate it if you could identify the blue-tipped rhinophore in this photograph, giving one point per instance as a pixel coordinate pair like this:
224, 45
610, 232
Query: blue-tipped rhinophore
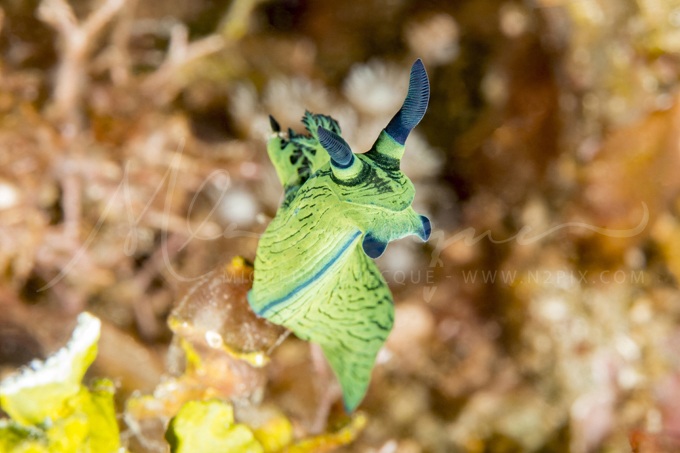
340, 152
414, 107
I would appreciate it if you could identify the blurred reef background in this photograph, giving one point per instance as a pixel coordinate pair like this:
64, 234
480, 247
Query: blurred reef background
542, 316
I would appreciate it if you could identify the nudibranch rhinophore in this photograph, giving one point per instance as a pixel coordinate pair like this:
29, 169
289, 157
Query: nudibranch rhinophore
314, 272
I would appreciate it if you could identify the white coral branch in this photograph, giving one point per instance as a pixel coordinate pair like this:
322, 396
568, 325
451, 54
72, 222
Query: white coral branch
180, 53
75, 41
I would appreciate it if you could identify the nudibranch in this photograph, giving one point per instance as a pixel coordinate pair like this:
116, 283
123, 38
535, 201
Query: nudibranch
314, 268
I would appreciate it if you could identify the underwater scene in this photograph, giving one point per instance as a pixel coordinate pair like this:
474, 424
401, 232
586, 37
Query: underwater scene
377, 226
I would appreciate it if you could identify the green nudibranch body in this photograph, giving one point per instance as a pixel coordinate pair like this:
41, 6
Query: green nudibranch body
314, 269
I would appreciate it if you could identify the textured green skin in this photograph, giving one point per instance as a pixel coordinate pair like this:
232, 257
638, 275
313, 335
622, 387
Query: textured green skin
311, 272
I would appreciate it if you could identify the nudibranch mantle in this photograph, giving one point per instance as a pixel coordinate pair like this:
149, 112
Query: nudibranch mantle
314, 268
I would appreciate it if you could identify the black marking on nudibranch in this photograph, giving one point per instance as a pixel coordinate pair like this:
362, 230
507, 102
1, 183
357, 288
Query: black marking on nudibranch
276, 127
